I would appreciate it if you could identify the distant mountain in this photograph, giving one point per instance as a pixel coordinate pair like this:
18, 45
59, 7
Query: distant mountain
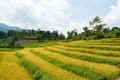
5, 27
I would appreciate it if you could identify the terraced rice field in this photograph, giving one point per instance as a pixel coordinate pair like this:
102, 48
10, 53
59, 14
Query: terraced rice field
77, 60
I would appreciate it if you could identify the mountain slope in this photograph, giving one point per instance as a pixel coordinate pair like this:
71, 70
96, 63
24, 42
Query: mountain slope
4, 27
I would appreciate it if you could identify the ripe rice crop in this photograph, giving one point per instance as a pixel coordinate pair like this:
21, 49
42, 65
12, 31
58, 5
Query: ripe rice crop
92, 51
108, 71
86, 56
112, 41
56, 73
34, 71
101, 47
63, 60
81, 71
10, 69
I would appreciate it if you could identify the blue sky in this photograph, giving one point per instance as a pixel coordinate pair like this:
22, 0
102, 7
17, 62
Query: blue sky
61, 15
85, 10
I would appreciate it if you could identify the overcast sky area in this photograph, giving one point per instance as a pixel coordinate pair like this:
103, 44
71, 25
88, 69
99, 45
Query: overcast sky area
61, 15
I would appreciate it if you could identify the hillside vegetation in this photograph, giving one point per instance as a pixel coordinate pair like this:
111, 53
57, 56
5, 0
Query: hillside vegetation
94, 31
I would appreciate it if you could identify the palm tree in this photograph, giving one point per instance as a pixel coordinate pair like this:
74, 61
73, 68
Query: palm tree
97, 25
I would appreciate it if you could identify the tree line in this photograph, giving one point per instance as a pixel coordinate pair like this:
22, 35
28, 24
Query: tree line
32, 35
96, 30
8, 39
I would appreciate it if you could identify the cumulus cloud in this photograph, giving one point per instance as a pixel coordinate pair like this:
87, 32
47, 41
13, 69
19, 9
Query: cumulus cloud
113, 17
43, 14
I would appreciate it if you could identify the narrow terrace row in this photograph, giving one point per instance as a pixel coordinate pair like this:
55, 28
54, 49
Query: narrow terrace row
92, 51
107, 71
86, 56
81, 71
101, 47
55, 72
32, 69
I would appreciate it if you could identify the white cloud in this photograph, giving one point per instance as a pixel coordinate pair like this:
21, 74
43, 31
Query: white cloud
113, 17
76, 25
73, 25
44, 14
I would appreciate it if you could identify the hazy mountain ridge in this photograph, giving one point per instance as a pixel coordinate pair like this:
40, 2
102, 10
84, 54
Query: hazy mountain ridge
5, 27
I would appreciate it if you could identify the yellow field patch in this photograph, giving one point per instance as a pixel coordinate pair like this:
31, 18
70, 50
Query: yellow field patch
9, 57
11, 70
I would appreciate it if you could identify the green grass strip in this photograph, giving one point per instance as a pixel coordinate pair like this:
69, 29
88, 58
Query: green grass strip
84, 72
84, 57
33, 70
9, 49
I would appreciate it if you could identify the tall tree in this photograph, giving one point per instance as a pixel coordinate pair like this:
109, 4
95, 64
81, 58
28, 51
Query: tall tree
86, 31
11, 33
3, 34
54, 35
98, 26
61, 37
47, 35
115, 32
72, 34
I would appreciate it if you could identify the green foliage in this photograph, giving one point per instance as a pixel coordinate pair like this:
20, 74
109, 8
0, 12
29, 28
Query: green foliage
61, 37
82, 71
114, 33
33, 70
2, 35
32, 45
54, 35
10, 43
98, 26
72, 34
95, 31
9, 49
98, 31
86, 31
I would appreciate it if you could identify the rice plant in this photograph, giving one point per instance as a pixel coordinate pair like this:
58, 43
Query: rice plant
108, 71
56, 73
86, 56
